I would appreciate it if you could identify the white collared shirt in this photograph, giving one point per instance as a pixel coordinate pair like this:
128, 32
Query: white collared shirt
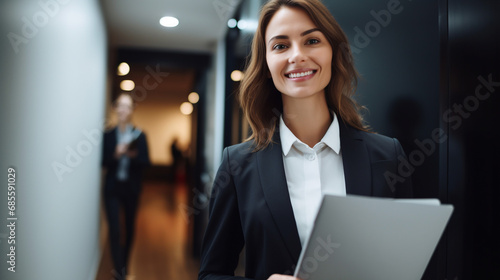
310, 172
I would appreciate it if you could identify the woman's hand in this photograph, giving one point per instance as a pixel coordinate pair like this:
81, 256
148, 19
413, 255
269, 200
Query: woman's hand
120, 150
282, 277
132, 153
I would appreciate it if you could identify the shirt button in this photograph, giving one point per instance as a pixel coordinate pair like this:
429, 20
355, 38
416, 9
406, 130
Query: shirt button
311, 157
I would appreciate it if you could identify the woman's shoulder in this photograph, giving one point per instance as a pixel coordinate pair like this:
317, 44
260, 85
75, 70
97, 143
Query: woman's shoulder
377, 139
370, 137
378, 144
109, 133
109, 129
241, 150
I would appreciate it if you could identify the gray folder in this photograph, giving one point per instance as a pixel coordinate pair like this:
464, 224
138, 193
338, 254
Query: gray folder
360, 238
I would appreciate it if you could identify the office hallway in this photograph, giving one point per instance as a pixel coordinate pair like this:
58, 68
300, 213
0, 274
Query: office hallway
161, 248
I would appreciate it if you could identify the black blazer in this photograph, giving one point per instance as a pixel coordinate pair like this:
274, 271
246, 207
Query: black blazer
136, 166
250, 204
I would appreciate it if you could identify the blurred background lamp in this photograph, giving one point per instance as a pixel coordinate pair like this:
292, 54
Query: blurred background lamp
186, 108
231, 23
169, 21
127, 85
123, 69
242, 24
236, 75
193, 97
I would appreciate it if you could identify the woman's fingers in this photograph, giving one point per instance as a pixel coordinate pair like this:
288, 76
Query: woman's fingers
282, 277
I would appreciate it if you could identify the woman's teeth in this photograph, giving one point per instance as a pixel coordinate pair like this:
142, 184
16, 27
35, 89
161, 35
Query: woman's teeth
301, 74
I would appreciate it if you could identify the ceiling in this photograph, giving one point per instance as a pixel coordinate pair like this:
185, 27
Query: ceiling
135, 24
133, 28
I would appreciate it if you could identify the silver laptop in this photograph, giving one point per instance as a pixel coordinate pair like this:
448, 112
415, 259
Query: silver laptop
360, 238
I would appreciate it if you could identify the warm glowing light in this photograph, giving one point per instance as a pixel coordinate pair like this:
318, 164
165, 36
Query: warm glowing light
193, 97
123, 69
231, 23
127, 85
186, 108
236, 75
169, 21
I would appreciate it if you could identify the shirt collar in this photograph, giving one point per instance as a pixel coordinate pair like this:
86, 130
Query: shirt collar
331, 137
286, 136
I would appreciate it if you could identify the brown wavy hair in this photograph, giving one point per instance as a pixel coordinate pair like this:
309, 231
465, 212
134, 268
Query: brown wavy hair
261, 101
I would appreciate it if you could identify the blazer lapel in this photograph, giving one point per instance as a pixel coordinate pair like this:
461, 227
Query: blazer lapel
357, 165
275, 188
357, 172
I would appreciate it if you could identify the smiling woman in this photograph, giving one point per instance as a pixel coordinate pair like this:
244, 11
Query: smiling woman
259, 95
300, 60
308, 139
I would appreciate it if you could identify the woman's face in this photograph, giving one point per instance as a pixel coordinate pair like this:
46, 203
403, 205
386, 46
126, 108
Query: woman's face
298, 55
124, 108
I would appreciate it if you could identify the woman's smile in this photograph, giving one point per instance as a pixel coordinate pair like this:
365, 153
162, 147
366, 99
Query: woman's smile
300, 75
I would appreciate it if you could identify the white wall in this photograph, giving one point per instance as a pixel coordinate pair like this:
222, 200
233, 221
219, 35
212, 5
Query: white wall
53, 90
219, 102
214, 115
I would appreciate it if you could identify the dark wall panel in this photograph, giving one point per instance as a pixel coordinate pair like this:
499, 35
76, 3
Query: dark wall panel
473, 120
396, 47
396, 50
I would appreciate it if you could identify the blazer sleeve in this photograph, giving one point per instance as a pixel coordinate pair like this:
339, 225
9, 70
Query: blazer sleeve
108, 150
223, 240
142, 158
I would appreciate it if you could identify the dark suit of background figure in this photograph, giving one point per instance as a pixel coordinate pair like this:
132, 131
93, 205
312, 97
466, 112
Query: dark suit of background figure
177, 160
123, 195
250, 204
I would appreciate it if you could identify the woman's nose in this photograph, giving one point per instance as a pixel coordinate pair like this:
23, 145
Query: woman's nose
297, 55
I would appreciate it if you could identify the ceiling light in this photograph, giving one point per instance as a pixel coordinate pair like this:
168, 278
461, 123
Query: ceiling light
186, 108
232, 23
123, 69
236, 75
248, 25
242, 24
169, 21
193, 97
127, 85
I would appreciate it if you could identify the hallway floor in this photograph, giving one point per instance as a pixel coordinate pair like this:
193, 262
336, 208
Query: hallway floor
161, 247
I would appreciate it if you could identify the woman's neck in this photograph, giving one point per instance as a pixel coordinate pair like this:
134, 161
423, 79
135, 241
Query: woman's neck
122, 126
307, 118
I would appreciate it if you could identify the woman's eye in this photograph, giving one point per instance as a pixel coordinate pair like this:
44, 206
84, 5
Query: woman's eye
279, 47
312, 41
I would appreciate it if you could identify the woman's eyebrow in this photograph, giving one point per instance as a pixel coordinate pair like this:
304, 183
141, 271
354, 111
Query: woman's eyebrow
277, 37
309, 31
301, 34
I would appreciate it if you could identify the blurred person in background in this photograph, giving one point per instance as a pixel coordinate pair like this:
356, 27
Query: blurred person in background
178, 164
124, 156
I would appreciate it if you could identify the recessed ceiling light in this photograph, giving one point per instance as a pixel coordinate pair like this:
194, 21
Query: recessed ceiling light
123, 69
237, 75
242, 24
127, 85
232, 23
186, 108
169, 21
193, 97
